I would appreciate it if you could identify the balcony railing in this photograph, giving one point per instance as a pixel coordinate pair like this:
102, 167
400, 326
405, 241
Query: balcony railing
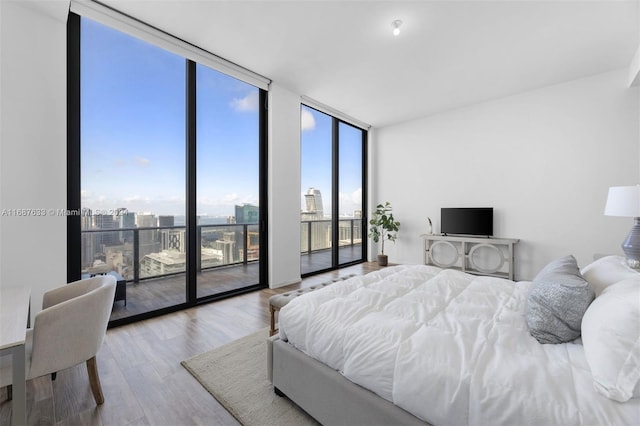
315, 235
151, 252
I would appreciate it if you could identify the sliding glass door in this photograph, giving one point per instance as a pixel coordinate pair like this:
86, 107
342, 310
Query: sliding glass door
132, 167
333, 155
228, 182
350, 201
165, 167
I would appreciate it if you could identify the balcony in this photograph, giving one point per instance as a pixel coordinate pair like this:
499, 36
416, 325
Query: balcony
315, 243
152, 260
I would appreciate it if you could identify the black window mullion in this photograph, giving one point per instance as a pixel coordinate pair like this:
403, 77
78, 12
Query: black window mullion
264, 188
364, 221
335, 191
191, 218
74, 236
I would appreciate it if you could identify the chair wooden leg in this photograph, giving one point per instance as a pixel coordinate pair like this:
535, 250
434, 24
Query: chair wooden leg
9, 392
272, 313
94, 380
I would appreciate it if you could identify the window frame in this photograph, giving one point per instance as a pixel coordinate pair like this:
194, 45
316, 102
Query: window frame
336, 120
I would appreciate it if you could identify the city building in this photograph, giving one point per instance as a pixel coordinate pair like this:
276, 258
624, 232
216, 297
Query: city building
314, 207
247, 213
147, 238
315, 231
165, 221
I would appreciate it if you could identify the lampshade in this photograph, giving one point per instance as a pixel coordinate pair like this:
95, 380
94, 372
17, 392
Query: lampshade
623, 201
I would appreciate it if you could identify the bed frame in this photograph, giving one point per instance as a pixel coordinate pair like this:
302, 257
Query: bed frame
325, 394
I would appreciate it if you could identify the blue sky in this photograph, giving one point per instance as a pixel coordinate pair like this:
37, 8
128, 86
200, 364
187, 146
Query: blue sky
133, 133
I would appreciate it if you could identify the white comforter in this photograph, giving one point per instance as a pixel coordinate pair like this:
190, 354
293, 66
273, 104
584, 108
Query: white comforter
449, 347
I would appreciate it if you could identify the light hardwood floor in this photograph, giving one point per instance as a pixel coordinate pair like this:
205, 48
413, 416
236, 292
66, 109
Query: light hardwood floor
139, 364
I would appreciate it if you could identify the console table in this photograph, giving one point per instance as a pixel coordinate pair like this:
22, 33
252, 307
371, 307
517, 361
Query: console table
474, 255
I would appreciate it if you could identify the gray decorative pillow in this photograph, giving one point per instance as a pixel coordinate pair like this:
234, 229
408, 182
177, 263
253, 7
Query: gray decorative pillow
557, 300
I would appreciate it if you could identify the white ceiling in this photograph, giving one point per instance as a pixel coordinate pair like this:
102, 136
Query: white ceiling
449, 53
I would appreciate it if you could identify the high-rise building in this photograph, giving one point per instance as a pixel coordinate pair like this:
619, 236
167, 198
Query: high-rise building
165, 221
146, 220
173, 239
147, 238
247, 213
88, 248
226, 247
86, 219
89, 239
313, 222
357, 226
127, 221
106, 221
313, 203
171, 262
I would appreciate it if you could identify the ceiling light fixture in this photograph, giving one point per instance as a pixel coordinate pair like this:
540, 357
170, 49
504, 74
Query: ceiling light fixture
396, 27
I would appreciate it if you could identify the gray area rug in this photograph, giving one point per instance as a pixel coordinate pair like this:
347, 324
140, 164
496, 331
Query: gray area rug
236, 375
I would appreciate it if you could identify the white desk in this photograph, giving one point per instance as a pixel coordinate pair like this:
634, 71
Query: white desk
14, 314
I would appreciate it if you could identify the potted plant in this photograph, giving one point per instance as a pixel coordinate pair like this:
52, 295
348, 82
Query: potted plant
383, 227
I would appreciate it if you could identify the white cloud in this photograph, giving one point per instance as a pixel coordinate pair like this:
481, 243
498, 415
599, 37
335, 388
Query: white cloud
142, 162
247, 104
136, 199
235, 199
218, 204
230, 199
356, 196
350, 202
307, 122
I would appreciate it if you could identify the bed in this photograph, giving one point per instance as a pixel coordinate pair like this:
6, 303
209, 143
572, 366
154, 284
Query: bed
416, 344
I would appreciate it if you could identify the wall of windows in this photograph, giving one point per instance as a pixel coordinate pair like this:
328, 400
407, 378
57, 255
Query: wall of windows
166, 163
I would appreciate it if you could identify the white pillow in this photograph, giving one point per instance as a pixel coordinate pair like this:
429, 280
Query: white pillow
606, 271
611, 340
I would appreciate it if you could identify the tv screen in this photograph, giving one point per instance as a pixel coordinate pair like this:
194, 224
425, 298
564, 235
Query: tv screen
467, 221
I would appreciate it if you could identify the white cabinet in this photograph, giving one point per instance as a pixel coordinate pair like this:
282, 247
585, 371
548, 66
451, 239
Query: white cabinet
475, 255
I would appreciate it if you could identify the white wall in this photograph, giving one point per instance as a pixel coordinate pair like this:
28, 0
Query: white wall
634, 69
32, 148
543, 159
284, 187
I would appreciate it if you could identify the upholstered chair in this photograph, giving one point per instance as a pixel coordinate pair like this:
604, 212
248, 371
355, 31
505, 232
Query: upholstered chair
69, 330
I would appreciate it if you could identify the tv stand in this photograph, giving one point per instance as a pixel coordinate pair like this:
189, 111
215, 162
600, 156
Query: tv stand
444, 234
475, 255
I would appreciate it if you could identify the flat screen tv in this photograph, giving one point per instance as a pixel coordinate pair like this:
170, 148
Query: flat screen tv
467, 221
